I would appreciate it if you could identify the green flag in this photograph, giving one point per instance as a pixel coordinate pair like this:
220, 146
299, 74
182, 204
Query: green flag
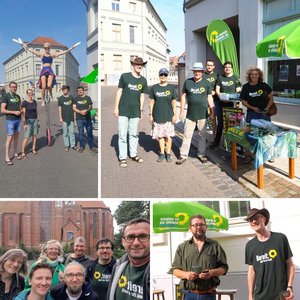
91, 78
220, 37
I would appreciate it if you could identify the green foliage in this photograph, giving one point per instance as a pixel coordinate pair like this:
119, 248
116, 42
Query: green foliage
32, 253
67, 248
2, 250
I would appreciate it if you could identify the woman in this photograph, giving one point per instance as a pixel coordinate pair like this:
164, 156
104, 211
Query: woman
51, 254
47, 76
30, 121
257, 96
162, 113
12, 262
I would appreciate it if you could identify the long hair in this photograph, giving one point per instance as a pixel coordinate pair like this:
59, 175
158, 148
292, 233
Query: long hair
258, 70
11, 254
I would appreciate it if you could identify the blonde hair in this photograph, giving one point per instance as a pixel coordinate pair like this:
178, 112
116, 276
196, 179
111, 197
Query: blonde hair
258, 70
44, 256
46, 45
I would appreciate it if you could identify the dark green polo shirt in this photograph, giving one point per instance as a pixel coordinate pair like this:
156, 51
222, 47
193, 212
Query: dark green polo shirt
229, 84
212, 256
196, 95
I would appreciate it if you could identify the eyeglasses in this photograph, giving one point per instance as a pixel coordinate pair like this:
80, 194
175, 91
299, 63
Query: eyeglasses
141, 237
104, 248
77, 275
163, 75
198, 225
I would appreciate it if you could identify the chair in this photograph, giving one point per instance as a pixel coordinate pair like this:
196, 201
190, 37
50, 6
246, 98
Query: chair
158, 293
229, 293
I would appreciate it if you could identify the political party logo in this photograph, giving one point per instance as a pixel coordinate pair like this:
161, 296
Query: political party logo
140, 86
163, 94
97, 275
267, 257
83, 101
183, 218
215, 37
168, 93
122, 282
135, 87
197, 90
275, 49
14, 100
256, 94
227, 83
218, 220
212, 79
260, 92
179, 219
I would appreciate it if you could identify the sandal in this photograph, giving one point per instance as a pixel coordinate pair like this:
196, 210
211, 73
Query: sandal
203, 159
137, 159
23, 155
34, 152
18, 157
9, 162
123, 163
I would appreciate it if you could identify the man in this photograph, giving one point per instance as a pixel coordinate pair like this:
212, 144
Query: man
129, 105
197, 93
66, 117
199, 262
40, 278
74, 287
229, 84
271, 270
79, 254
11, 107
131, 274
82, 106
101, 269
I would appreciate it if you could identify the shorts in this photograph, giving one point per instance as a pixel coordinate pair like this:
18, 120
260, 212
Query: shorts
13, 126
32, 128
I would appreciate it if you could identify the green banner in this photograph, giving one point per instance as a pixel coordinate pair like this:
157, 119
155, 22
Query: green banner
91, 77
220, 37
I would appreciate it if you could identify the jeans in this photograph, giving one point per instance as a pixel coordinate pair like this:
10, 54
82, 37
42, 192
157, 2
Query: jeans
89, 130
129, 125
189, 127
254, 115
193, 296
68, 134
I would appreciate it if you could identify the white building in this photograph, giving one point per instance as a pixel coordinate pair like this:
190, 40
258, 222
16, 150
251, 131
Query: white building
250, 22
131, 28
92, 45
24, 68
284, 217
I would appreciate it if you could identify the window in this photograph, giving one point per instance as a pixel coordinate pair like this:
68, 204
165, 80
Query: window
103, 224
116, 31
238, 208
115, 5
117, 62
70, 236
95, 225
131, 34
37, 69
11, 225
57, 70
215, 205
132, 7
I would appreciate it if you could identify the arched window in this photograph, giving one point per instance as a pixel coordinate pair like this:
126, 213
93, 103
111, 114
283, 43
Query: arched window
11, 226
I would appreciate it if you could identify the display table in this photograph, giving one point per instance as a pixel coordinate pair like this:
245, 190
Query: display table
265, 147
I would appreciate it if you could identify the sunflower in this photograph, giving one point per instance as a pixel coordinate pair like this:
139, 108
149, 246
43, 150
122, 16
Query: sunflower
185, 218
122, 281
273, 253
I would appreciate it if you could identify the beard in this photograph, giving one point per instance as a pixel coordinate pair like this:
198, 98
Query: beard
200, 235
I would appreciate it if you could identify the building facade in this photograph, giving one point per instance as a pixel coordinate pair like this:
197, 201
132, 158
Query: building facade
35, 222
131, 28
92, 45
24, 68
250, 22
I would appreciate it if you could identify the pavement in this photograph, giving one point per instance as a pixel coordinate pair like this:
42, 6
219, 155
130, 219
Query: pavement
151, 179
54, 173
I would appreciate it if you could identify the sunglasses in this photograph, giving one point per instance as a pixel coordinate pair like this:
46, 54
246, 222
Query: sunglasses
163, 75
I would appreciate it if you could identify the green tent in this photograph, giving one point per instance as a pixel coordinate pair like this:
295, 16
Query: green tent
91, 77
285, 40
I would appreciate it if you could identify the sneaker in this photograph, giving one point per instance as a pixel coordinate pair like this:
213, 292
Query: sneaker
66, 148
203, 159
75, 148
94, 149
181, 160
43, 103
80, 150
160, 157
168, 158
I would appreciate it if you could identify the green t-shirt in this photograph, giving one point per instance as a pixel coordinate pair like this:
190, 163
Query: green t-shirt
130, 283
256, 95
66, 104
229, 84
211, 78
188, 258
83, 103
196, 95
269, 262
133, 87
13, 103
100, 280
163, 97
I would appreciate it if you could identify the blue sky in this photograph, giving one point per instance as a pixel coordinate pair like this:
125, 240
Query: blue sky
63, 20
171, 13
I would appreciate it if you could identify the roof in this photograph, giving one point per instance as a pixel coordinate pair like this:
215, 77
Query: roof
41, 40
92, 204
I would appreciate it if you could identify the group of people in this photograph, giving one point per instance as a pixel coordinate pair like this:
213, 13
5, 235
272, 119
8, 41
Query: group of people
200, 94
200, 261
76, 276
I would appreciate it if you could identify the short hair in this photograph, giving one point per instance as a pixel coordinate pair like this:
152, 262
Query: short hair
227, 63
45, 247
105, 241
12, 253
135, 221
80, 88
12, 82
80, 239
28, 91
75, 263
258, 70
40, 265
210, 61
197, 217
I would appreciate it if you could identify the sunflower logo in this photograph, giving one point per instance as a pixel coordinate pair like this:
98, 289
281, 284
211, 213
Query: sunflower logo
280, 41
202, 89
122, 281
273, 253
230, 82
218, 219
260, 92
140, 86
97, 275
168, 93
213, 36
70, 101
185, 218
